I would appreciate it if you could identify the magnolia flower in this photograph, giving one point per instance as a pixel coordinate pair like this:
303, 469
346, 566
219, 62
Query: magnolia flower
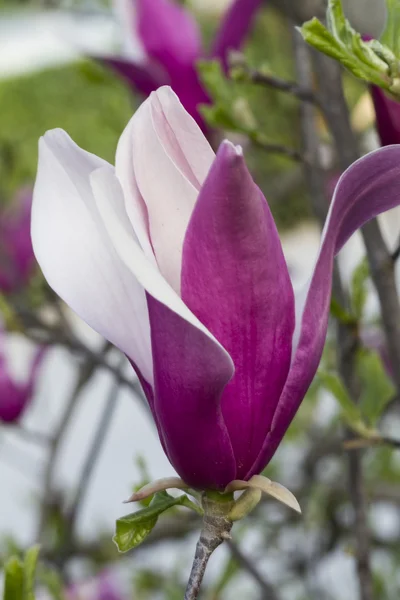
15, 396
174, 257
101, 588
387, 112
16, 254
172, 45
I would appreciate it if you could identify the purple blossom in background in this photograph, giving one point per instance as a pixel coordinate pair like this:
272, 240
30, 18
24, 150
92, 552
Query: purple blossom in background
174, 257
101, 588
15, 396
387, 112
172, 44
17, 260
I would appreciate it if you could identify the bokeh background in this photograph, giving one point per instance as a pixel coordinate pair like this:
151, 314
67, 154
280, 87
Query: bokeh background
50, 77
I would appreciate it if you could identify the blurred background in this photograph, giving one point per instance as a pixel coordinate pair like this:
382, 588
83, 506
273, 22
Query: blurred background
76, 436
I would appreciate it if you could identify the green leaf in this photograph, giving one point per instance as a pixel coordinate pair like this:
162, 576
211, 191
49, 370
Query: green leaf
350, 411
377, 387
359, 292
340, 41
30, 563
51, 580
391, 35
134, 528
337, 311
14, 579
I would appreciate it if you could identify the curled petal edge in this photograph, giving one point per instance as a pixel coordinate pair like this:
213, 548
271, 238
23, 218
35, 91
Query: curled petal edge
159, 485
276, 490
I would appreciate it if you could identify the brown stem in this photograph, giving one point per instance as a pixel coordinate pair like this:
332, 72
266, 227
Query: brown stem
347, 338
216, 529
266, 588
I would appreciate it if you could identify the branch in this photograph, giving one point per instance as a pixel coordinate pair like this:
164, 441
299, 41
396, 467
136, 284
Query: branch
238, 62
85, 374
92, 457
215, 530
347, 341
278, 149
267, 590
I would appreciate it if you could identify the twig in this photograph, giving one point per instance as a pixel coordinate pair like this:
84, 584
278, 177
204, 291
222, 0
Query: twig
34, 437
85, 374
45, 334
346, 336
92, 456
396, 253
267, 590
380, 261
215, 530
291, 153
238, 62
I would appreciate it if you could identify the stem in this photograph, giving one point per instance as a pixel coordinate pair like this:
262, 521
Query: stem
86, 371
347, 338
216, 529
267, 590
93, 454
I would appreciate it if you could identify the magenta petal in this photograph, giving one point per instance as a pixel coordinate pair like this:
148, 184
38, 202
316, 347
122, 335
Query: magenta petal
235, 280
168, 32
145, 78
387, 113
190, 373
234, 28
186, 85
17, 260
367, 188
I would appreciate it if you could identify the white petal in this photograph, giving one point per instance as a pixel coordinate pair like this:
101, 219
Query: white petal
133, 257
75, 253
165, 159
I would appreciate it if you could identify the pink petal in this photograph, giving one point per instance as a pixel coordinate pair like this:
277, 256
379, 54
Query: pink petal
235, 280
234, 28
190, 367
145, 78
387, 112
74, 252
168, 32
162, 160
367, 188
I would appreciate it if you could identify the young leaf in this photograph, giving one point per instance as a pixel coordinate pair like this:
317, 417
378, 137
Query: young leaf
340, 41
134, 528
391, 35
359, 290
30, 563
350, 411
13, 579
377, 386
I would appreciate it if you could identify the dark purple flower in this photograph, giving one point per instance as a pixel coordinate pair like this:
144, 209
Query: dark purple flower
172, 43
17, 260
175, 258
387, 112
15, 396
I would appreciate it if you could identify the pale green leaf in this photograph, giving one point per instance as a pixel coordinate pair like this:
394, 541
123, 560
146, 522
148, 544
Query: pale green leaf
377, 387
359, 291
13, 579
391, 35
30, 563
134, 528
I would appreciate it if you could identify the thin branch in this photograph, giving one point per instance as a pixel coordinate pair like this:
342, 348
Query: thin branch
267, 589
347, 341
34, 437
93, 455
291, 153
45, 334
238, 62
85, 374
